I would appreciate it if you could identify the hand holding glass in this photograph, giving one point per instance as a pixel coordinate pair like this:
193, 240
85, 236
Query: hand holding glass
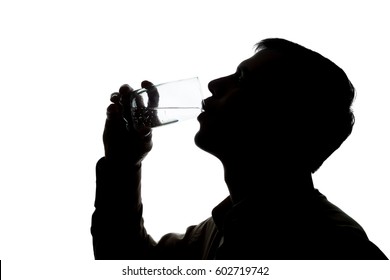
166, 103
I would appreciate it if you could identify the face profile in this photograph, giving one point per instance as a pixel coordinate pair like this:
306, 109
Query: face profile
240, 108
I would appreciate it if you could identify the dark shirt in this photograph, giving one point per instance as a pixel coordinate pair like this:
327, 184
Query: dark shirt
301, 227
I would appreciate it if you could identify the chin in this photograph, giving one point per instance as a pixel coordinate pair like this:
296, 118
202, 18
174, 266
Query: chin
206, 142
202, 140
198, 139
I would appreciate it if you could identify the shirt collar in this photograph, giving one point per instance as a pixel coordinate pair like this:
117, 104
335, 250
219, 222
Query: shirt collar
220, 211
226, 209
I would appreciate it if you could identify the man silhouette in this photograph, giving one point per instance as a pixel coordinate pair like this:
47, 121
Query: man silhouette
272, 124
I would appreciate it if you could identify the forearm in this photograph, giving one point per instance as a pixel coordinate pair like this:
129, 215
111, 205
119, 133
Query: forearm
117, 225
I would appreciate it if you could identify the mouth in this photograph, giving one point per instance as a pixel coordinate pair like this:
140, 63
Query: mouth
203, 106
201, 116
202, 110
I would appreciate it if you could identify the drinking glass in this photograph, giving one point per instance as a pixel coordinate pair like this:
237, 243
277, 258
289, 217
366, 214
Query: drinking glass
166, 103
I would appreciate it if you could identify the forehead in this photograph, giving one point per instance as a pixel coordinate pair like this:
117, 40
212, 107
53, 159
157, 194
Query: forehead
261, 61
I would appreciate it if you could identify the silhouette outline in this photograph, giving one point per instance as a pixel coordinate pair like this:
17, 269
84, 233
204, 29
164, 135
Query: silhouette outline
272, 124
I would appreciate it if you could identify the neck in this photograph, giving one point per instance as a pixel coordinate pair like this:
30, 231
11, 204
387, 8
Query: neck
270, 184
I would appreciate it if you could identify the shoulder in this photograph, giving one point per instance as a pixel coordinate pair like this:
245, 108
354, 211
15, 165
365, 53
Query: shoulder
342, 236
333, 216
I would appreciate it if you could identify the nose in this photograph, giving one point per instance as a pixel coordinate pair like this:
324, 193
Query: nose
212, 85
218, 85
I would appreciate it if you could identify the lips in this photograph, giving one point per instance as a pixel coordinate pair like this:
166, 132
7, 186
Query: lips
206, 104
203, 106
201, 116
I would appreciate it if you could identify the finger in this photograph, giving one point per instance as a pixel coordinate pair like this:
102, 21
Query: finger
153, 94
115, 97
153, 97
125, 92
114, 112
146, 84
139, 101
125, 89
145, 132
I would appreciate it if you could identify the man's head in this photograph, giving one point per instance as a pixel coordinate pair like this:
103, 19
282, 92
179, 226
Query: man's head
286, 103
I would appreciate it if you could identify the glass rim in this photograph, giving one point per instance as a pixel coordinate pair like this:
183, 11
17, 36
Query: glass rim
142, 90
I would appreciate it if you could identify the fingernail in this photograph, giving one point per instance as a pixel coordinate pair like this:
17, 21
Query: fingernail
146, 84
114, 97
124, 89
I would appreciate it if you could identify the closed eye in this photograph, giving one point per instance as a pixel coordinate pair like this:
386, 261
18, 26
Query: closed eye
241, 76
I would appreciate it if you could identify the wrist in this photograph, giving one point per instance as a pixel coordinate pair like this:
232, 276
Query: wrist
118, 184
116, 164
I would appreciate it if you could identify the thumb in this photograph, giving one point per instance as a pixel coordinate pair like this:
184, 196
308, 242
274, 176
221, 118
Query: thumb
114, 112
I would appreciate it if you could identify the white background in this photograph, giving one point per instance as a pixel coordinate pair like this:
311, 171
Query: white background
61, 60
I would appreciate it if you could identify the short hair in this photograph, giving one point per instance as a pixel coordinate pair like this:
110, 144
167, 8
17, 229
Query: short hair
327, 96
